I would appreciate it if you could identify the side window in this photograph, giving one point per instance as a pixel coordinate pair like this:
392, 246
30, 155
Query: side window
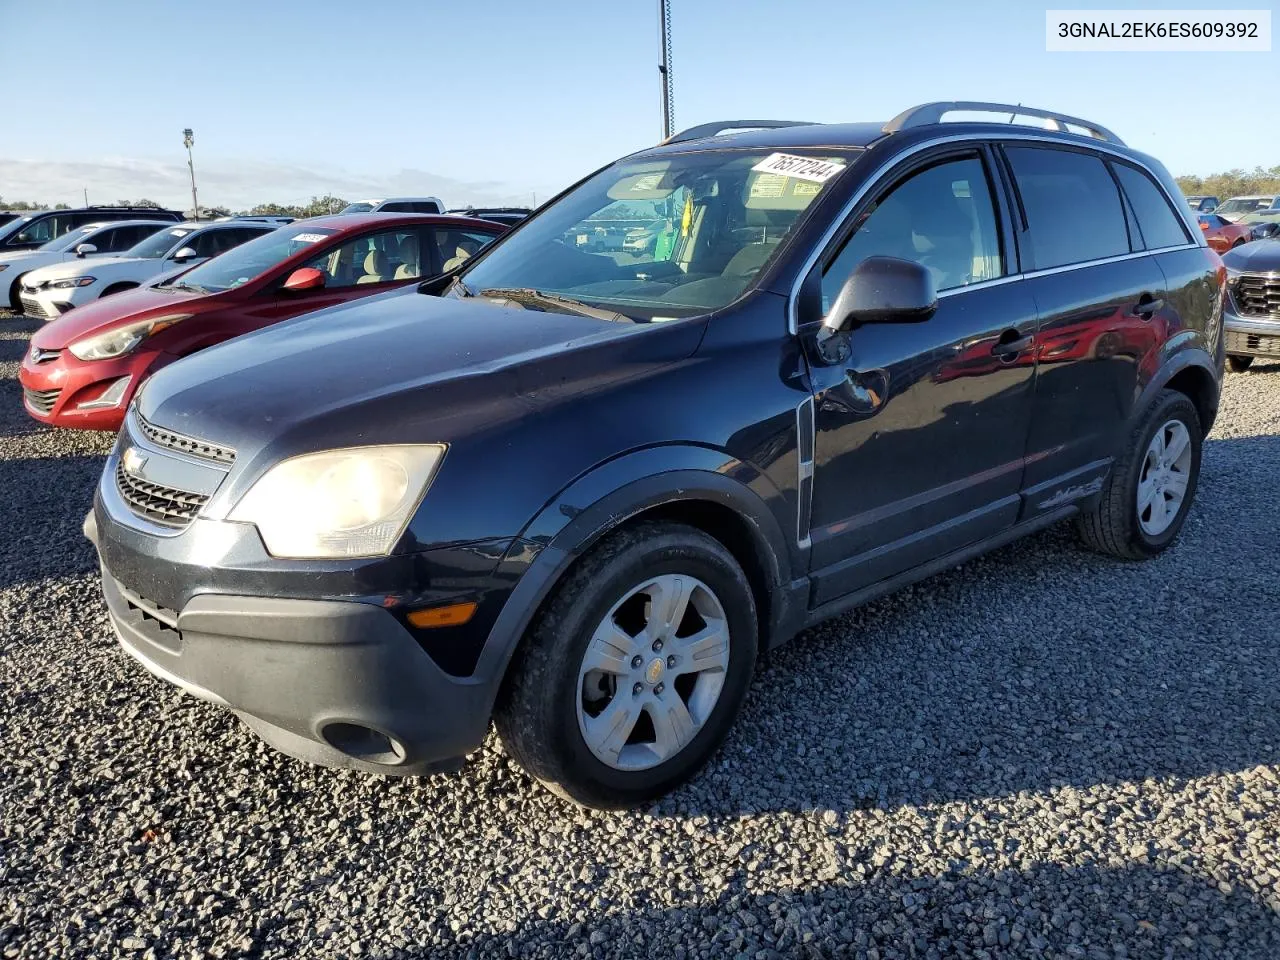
1159, 224
374, 258
942, 217
120, 238
38, 231
1073, 207
206, 244
396, 208
457, 246
425, 206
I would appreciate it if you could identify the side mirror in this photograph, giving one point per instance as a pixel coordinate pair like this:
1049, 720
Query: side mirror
185, 254
303, 279
884, 290
84, 249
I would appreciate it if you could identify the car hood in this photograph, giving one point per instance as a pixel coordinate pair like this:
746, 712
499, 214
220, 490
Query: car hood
99, 315
1260, 256
395, 367
133, 267
20, 255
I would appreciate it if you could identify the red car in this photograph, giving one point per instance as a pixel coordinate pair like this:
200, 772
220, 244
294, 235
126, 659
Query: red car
84, 367
1222, 235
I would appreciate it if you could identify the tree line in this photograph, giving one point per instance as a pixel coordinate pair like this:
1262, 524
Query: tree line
318, 206
1233, 183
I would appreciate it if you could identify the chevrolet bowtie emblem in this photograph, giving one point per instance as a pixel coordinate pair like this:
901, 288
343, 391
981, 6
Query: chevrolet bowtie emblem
133, 461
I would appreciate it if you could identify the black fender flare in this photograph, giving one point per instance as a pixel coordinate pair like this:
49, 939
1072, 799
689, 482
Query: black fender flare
610, 495
1181, 361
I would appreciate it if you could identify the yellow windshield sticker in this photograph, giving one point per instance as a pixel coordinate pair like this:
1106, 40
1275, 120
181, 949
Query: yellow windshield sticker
686, 218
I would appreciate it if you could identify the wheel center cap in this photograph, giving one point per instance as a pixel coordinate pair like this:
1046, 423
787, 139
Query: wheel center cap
653, 673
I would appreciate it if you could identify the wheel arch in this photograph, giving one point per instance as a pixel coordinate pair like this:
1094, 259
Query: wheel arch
118, 287
1192, 373
725, 498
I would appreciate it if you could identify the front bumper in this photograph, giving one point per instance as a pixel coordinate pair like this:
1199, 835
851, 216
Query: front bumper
63, 391
340, 683
1251, 336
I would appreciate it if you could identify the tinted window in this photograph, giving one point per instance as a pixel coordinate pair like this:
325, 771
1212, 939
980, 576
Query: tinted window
121, 238
457, 246
1073, 207
941, 217
1157, 221
39, 231
252, 259
425, 206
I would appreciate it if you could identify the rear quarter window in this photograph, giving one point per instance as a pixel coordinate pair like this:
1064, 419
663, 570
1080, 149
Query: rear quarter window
1073, 208
1160, 226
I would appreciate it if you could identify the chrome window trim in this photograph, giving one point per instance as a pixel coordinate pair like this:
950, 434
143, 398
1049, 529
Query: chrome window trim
875, 178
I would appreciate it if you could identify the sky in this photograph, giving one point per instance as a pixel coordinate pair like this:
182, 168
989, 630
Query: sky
510, 101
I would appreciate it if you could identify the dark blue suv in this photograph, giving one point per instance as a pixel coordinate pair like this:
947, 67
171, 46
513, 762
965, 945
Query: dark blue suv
576, 491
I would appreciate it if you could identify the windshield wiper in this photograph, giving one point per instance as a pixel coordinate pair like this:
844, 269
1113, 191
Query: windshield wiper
553, 303
462, 285
186, 286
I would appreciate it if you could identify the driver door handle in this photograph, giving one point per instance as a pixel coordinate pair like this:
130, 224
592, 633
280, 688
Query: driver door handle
1010, 344
1147, 306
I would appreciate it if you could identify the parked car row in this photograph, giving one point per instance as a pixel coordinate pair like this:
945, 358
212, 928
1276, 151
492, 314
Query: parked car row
575, 487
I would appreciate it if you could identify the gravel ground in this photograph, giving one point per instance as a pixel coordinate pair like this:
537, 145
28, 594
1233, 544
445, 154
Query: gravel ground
1043, 754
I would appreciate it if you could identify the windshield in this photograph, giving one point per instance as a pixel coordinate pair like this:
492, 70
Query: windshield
158, 244
241, 264
1245, 204
356, 208
661, 238
12, 227
68, 241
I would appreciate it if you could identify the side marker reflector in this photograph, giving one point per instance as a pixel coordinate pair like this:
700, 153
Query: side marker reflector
454, 615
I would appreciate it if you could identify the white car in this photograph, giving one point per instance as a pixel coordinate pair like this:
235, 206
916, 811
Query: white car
91, 240
1237, 208
49, 292
395, 205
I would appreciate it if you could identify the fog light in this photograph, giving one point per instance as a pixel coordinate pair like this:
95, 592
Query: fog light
110, 397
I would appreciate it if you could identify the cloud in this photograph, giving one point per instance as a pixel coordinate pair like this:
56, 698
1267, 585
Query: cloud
236, 184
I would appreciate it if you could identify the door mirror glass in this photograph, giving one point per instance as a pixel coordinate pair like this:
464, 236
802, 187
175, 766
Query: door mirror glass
185, 254
303, 279
84, 249
884, 290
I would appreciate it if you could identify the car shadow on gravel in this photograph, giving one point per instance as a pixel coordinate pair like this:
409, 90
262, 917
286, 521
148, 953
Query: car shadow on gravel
1036, 668
1087, 910
46, 500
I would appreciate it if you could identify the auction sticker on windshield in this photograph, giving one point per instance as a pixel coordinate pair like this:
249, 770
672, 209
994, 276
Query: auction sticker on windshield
308, 237
802, 168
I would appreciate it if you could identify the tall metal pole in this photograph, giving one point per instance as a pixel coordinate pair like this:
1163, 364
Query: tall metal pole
664, 68
188, 139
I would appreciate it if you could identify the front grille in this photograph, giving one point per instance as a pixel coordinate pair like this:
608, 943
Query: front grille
1253, 344
34, 308
165, 505
160, 624
1257, 296
41, 401
184, 444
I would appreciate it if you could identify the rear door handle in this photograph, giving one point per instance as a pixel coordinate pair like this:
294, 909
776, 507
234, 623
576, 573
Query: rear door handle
1007, 349
1147, 306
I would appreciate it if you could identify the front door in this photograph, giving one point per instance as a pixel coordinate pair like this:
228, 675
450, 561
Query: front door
920, 434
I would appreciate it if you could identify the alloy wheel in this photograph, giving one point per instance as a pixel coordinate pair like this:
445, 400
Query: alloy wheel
1162, 484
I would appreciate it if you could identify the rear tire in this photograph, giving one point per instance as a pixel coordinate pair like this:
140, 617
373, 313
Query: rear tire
1239, 364
1152, 485
601, 650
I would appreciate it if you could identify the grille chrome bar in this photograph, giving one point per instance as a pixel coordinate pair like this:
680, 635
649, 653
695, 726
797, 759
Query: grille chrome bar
172, 440
1257, 296
164, 505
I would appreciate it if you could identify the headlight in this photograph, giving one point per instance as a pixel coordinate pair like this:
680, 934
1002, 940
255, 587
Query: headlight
341, 503
72, 282
122, 340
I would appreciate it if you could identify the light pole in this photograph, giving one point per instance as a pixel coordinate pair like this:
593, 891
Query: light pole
664, 67
188, 140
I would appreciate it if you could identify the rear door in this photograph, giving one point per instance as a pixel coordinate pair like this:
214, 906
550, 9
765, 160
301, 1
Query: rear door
920, 435
1101, 300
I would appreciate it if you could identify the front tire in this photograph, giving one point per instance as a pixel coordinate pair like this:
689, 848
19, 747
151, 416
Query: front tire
1149, 492
635, 670
1239, 364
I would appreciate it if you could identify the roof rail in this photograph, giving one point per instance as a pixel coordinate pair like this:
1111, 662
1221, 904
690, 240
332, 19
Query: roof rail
929, 113
713, 129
